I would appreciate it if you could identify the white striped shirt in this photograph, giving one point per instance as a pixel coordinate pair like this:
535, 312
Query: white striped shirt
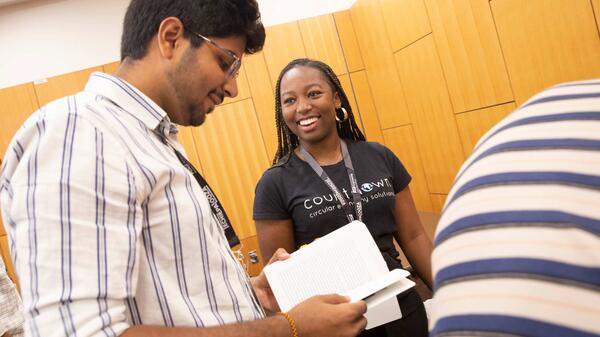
11, 316
107, 228
517, 249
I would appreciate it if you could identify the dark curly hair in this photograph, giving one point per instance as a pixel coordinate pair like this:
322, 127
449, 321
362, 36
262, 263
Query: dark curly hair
286, 140
218, 18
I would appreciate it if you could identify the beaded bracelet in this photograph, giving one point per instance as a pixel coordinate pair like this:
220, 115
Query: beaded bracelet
291, 322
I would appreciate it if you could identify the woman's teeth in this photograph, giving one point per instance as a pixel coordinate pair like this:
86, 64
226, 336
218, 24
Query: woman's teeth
308, 121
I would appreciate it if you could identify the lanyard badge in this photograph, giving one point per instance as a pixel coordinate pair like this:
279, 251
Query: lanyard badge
356, 198
215, 205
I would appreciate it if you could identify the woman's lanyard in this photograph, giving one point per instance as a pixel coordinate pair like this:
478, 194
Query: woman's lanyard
215, 205
353, 183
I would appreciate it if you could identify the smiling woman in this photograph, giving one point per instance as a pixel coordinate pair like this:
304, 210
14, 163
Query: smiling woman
325, 174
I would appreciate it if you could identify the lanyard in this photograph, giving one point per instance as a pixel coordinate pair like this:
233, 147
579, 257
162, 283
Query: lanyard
215, 205
353, 183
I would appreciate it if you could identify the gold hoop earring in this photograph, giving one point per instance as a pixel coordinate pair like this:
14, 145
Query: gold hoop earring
345, 116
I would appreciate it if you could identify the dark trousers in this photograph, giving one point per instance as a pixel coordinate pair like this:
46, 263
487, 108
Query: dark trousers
412, 324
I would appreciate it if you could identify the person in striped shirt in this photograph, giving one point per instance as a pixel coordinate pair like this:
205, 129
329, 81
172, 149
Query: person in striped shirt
517, 249
112, 231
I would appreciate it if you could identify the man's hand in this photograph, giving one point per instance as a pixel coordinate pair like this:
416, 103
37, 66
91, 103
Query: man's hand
329, 315
261, 285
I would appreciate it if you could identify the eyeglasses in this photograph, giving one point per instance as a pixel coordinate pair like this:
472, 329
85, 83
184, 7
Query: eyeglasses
234, 66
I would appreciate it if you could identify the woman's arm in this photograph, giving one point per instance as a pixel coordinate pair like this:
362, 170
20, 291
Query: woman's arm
274, 234
412, 237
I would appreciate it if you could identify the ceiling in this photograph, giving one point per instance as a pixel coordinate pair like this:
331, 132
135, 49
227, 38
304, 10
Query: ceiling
273, 12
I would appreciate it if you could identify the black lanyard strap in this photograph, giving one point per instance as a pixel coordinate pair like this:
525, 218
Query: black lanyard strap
215, 205
353, 183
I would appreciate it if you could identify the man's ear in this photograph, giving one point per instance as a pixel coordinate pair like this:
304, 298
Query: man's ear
170, 36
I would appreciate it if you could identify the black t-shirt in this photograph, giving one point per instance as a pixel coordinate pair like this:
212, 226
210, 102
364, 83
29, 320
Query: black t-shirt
294, 191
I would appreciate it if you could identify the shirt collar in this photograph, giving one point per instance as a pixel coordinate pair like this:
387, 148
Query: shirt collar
132, 100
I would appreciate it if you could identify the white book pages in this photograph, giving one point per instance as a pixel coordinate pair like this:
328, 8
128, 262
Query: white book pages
346, 261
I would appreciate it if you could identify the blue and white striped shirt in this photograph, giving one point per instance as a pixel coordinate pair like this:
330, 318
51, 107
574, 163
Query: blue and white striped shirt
107, 228
517, 250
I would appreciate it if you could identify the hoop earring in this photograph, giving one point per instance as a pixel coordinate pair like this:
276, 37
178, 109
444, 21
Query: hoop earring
345, 116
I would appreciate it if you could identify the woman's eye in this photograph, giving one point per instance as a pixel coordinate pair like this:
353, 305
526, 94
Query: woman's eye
314, 93
288, 101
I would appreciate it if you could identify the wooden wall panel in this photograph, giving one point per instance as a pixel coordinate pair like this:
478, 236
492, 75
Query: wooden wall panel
347, 85
547, 42
321, 42
365, 112
345, 29
111, 68
379, 62
250, 244
264, 100
16, 103
438, 201
431, 113
596, 5
186, 138
233, 159
284, 43
403, 143
406, 21
242, 86
474, 124
10, 270
470, 53
63, 85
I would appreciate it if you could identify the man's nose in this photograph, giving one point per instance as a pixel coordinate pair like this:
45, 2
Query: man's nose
230, 87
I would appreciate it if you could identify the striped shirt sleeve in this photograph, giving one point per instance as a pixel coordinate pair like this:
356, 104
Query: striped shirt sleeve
517, 248
76, 240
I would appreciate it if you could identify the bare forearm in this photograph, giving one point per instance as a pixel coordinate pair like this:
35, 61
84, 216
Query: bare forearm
418, 252
274, 326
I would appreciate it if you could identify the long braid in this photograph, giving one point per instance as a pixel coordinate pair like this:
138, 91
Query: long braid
286, 140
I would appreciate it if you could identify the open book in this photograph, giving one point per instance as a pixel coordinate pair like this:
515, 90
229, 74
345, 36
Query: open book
347, 262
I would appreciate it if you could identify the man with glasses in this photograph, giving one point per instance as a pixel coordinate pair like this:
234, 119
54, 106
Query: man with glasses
111, 227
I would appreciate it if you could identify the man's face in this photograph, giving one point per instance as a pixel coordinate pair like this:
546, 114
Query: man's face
200, 80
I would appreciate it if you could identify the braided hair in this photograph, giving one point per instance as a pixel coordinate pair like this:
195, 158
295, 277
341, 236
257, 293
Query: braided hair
286, 140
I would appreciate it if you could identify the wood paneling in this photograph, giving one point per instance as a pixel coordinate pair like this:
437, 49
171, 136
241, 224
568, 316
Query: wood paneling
284, 43
403, 143
345, 29
547, 42
347, 85
474, 124
438, 201
321, 42
186, 138
431, 113
366, 113
233, 159
242, 86
470, 53
4, 248
596, 5
264, 100
379, 62
111, 68
63, 85
250, 244
406, 21
16, 104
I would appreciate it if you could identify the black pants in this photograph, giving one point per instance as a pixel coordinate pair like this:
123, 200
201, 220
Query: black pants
412, 324
414, 318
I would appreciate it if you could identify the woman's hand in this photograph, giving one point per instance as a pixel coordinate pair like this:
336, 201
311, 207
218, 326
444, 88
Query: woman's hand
261, 284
